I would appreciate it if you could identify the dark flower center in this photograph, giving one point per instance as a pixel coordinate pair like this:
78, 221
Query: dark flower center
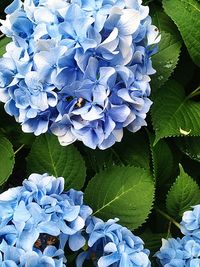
46, 240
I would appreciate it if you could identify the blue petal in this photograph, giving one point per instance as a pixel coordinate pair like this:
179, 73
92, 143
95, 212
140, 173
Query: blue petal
119, 113
108, 260
76, 242
16, 4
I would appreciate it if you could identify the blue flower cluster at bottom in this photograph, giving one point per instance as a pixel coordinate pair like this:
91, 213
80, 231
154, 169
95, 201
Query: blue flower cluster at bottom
39, 222
110, 244
184, 251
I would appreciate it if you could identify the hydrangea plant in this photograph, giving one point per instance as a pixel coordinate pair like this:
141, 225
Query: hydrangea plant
97, 71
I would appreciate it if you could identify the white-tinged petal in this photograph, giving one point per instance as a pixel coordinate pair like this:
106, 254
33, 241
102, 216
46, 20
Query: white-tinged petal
10, 194
67, 139
129, 22
110, 247
111, 42
153, 36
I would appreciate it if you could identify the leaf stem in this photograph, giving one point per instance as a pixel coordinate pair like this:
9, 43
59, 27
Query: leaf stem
19, 149
168, 217
196, 92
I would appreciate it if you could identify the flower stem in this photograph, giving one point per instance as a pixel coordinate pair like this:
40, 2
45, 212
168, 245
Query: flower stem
149, 1
169, 230
19, 149
168, 217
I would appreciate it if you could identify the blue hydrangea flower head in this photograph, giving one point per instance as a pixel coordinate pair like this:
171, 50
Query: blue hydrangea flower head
78, 69
110, 244
41, 213
11, 256
190, 224
179, 252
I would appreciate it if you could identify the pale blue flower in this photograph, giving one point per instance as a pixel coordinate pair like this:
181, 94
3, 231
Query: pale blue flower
190, 224
7, 73
41, 207
79, 69
127, 107
74, 31
99, 9
179, 252
50, 257
110, 244
11, 256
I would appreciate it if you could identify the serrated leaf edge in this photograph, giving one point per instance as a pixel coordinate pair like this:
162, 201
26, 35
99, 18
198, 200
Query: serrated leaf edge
153, 195
179, 176
13, 160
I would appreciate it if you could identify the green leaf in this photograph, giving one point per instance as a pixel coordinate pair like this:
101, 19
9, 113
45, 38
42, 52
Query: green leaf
98, 160
183, 194
174, 114
123, 192
134, 150
185, 71
7, 159
163, 22
3, 42
186, 15
48, 156
169, 48
190, 146
161, 153
166, 59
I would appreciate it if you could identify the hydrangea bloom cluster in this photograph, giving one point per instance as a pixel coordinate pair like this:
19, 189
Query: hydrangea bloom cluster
190, 224
183, 251
11, 256
78, 68
179, 252
110, 244
38, 219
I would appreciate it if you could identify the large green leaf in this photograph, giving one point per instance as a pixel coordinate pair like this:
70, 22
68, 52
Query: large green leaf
47, 155
98, 160
190, 146
166, 59
134, 150
123, 192
161, 153
163, 22
183, 194
3, 42
186, 15
169, 48
7, 159
174, 114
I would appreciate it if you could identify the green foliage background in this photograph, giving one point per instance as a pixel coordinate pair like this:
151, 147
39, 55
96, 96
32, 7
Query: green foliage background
151, 177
